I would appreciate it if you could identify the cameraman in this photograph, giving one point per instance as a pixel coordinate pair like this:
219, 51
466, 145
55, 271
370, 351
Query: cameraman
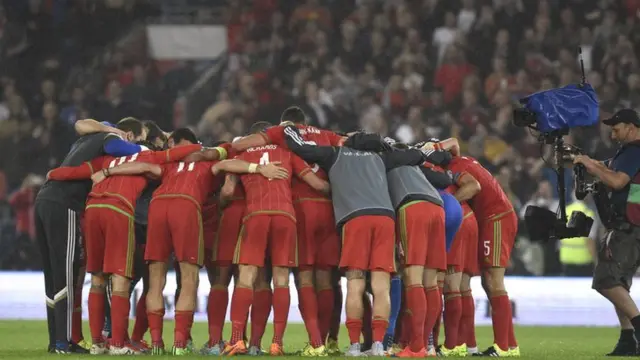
619, 251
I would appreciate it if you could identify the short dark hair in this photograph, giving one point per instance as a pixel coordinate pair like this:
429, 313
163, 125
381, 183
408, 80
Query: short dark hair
148, 144
130, 124
154, 131
184, 134
259, 127
295, 114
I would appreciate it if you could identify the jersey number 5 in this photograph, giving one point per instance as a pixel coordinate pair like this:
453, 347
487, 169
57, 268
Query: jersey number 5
121, 160
264, 159
189, 167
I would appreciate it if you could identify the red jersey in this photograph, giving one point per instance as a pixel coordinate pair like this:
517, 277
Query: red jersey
312, 135
491, 200
193, 180
269, 196
126, 189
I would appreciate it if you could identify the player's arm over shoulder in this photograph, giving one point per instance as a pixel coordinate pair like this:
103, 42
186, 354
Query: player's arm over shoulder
271, 135
468, 186
135, 168
324, 156
397, 158
177, 153
306, 174
81, 172
228, 189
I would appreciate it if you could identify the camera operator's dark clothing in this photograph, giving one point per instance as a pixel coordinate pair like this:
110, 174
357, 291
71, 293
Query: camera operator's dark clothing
626, 161
618, 258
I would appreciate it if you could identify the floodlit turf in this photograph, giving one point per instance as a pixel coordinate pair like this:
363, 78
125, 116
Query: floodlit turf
28, 340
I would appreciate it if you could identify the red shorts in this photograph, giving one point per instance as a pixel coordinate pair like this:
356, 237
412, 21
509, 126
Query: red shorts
368, 243
318, 241
109, 239
464, 257
272, 236
175, 225
209, 226
497, 237
226, 239
421, 230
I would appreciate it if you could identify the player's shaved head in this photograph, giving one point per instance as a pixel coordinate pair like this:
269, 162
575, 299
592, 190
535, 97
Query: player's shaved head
259, 127
294, 114
182, 136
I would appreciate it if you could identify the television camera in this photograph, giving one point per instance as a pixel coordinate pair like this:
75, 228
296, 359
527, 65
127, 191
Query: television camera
552, 113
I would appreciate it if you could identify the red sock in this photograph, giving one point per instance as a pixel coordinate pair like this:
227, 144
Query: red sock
119, 318
406, 332
142, 323
240, 304
434, 310
354, 328
156, 318
325, 306
260, 310
309, 310
96, 314
512, 335
417, 307
500, 311
181, 331
466, 331
336, 315
379, 328
281, 304
216, 312
367, 335
76, 317
452, 315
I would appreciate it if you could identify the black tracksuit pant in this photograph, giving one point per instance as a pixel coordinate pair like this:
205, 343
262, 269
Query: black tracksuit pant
60, 240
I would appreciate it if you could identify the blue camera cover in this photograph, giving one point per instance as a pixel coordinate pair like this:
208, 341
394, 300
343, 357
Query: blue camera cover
564, 108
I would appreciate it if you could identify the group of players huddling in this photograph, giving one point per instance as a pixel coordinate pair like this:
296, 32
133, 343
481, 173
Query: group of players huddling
296, 198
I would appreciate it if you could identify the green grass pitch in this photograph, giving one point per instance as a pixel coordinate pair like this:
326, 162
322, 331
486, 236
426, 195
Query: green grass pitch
28, 339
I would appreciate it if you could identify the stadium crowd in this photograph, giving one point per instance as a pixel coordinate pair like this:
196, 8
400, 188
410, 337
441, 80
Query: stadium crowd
411, 72
407, 69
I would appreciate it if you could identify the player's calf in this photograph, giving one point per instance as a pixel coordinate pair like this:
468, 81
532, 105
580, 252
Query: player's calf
240, 303
120, 307
356, 284
380, 287
452, 308
155, 304
309, 305
186, 304
217, 303
281, 302
416, 304
97, 302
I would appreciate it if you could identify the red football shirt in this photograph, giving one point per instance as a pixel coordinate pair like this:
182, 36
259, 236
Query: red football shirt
491, 200
126, 189
193, 180
300, 189
264, 195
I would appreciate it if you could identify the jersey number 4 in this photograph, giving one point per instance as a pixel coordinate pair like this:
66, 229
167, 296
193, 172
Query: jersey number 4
122, 160
264, 159
188, 166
